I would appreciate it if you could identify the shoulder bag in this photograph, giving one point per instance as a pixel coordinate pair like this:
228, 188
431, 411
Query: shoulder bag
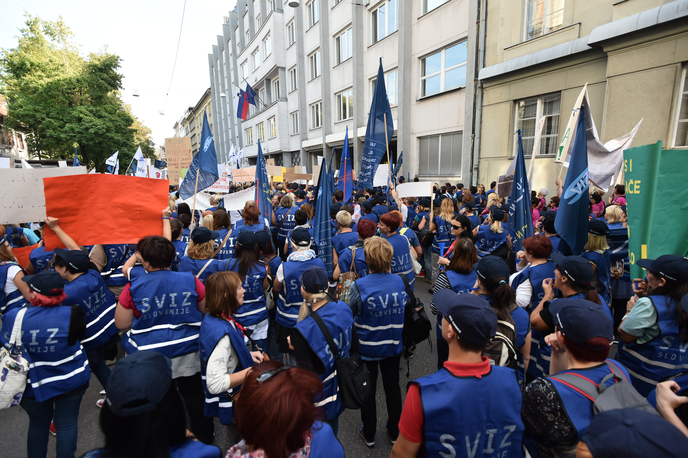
417, 267
346, 279
13, 366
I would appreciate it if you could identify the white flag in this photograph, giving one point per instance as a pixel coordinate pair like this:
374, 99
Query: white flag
112, 160
26, 165
92, 171
140, 163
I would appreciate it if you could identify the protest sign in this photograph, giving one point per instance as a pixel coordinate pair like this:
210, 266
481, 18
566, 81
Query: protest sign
109, 209
221, 186
22, 200
296, 176
5, 162
178, 152
381, 175
419, 189
244, 175
160, 174
234, 201
23, 254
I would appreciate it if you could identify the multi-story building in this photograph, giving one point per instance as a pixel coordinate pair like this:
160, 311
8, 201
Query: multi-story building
535, 56
191, 123
314, 68
12, 143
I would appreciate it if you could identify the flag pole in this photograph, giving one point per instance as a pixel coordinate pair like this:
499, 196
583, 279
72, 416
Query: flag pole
389, 164
193, 214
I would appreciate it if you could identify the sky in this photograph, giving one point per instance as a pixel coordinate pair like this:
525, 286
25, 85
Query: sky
144, 34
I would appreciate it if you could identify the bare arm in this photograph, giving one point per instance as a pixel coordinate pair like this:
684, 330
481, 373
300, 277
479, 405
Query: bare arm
404, 448
201, 306
337, 272
421, 225
667, 401
166, 229
69, 242
276, 285
525, 351
335, 257
535, 320
22, 286
124, 318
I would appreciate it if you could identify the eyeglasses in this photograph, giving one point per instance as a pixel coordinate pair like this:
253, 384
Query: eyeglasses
265, 376
456, 227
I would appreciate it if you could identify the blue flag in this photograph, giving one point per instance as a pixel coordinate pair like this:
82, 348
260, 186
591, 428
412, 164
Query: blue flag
331, 183
572, 218
204, 165
376, 141
250, 95
262, 197
346, 177
322, 230
520, 219
76, 160
397, 166
160, 164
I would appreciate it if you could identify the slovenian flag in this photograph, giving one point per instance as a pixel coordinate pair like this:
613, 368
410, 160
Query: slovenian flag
242, 108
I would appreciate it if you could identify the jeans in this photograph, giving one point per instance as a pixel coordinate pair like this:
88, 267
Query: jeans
389, 368
64, 409
96, 359
272, 345
427, 262
191, 390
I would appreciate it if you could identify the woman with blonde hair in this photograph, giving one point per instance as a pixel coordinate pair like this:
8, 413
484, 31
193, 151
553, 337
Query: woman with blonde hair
199, 254
492, 200
207, 220
597, 251
441, 225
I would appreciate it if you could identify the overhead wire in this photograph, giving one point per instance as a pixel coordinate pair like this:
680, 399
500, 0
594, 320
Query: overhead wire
179, 40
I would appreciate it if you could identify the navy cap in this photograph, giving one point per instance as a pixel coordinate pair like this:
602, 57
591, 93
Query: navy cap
669, 266
497, 214
203, 235
470, 204
247, 239
314, 280
334, 208
425, 202
633, 433
392, 208
301, 193
263, 238
45, 283
138, 383
581, 320
491, 267
598, 227
471, 316
77, 259
300, 236
577, 269
367, 205
437, 202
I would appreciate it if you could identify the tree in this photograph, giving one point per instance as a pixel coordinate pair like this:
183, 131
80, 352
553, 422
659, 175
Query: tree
142, 135
61, 99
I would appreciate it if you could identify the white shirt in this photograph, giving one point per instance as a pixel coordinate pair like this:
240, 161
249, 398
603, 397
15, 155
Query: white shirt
222, 362
12, 272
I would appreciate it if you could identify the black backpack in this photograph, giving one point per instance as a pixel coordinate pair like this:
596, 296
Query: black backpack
501, 350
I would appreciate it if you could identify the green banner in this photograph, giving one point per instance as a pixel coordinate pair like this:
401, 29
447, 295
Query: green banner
657, 203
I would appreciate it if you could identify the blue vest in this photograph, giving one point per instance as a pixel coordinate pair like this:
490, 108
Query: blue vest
186, 235
475, 220
410, 216
380, 325
54, 367
286, 227
401, 261
179, 249
259, 226
443, 234
40, 259
13, 236
536, 274
661, 357
254, 309
324, 443
577, 406
117, 255
92, 295
170, 319
15, 299
360, 263
460, 284
379, 210
227, 251
470, 416
274, 265
343, 240
195, 265
338, 318
212, 330
489, 241
371, 216
290, 298
603, 263
555, 239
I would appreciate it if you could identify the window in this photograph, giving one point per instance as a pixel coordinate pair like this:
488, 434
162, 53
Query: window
248, 36
681, 136
261, 132
385, 20
440, 154
291, 33
444, 70
313, 12
429, 5
267, 47
315, 64
345, 105
544, 16
294, 122
275, 90
272, 127
392, 86
255, 60
528, 112
316, 115
258, 22
236, 38
261, 96
244, 69
344, 46
270, 6
292, 79
249, 135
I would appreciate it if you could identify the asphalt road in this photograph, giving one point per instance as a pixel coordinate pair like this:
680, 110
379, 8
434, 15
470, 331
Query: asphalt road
14, 422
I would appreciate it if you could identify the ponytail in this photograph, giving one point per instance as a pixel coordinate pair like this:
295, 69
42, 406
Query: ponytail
496, 227
502, 295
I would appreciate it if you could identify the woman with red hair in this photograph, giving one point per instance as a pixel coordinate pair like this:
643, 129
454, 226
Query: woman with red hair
277, 416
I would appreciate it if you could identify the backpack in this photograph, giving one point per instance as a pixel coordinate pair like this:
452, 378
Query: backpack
619, 395
417, 325
501, 351
347, 279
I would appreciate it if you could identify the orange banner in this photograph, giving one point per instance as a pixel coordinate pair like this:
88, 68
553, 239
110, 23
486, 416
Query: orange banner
22, 254
104, 208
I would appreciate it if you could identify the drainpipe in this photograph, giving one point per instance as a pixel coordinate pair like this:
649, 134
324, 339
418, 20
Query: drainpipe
478, 97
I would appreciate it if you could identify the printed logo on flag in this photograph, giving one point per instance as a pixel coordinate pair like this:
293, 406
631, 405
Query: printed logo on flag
577, 188
208, 141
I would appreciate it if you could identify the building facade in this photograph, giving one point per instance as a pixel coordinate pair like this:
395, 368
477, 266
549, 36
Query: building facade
191, 122
314, 68
12, 142
534, 57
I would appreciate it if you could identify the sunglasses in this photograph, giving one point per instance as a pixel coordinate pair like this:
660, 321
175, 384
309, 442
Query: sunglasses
456, 227
265, 376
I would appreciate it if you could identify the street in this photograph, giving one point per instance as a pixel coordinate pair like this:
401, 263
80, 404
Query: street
15, 422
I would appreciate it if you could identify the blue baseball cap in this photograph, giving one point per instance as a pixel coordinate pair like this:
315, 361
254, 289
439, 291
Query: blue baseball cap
581, 320
471, 316
669, 266
491, 267
314, 280
77, 259
598, 227
247, 239
577, 269
300, 236
203, 235
47, 283
138, 383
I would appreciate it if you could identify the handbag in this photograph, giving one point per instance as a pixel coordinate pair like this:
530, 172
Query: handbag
13, 366
353, 379
416, 265
347, 279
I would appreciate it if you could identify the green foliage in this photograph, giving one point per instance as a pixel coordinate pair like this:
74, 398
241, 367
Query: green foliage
62, 100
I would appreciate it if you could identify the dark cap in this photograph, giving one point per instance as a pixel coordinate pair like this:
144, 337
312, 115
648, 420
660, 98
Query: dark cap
263, 238
45, 283
246, 239
392, 208
77, 259
668, 266
138, 383
633, 433
203, 235
300, 236
367, 205
470, 204
425, 202
314, 280
437, 203
577, 269
497, 214
491, 267
581, 320
300, 193
334, 208
598, 227
471, 316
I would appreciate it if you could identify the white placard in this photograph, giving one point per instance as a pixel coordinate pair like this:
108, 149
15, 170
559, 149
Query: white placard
221, 186
419, 189
381, 175
234, 201
5, 162
62, 163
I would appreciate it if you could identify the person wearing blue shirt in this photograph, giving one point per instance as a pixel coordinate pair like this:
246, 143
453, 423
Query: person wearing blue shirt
365, 230
345, 236
179, 246
284, 221
367, 211
597, 251
198, 259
